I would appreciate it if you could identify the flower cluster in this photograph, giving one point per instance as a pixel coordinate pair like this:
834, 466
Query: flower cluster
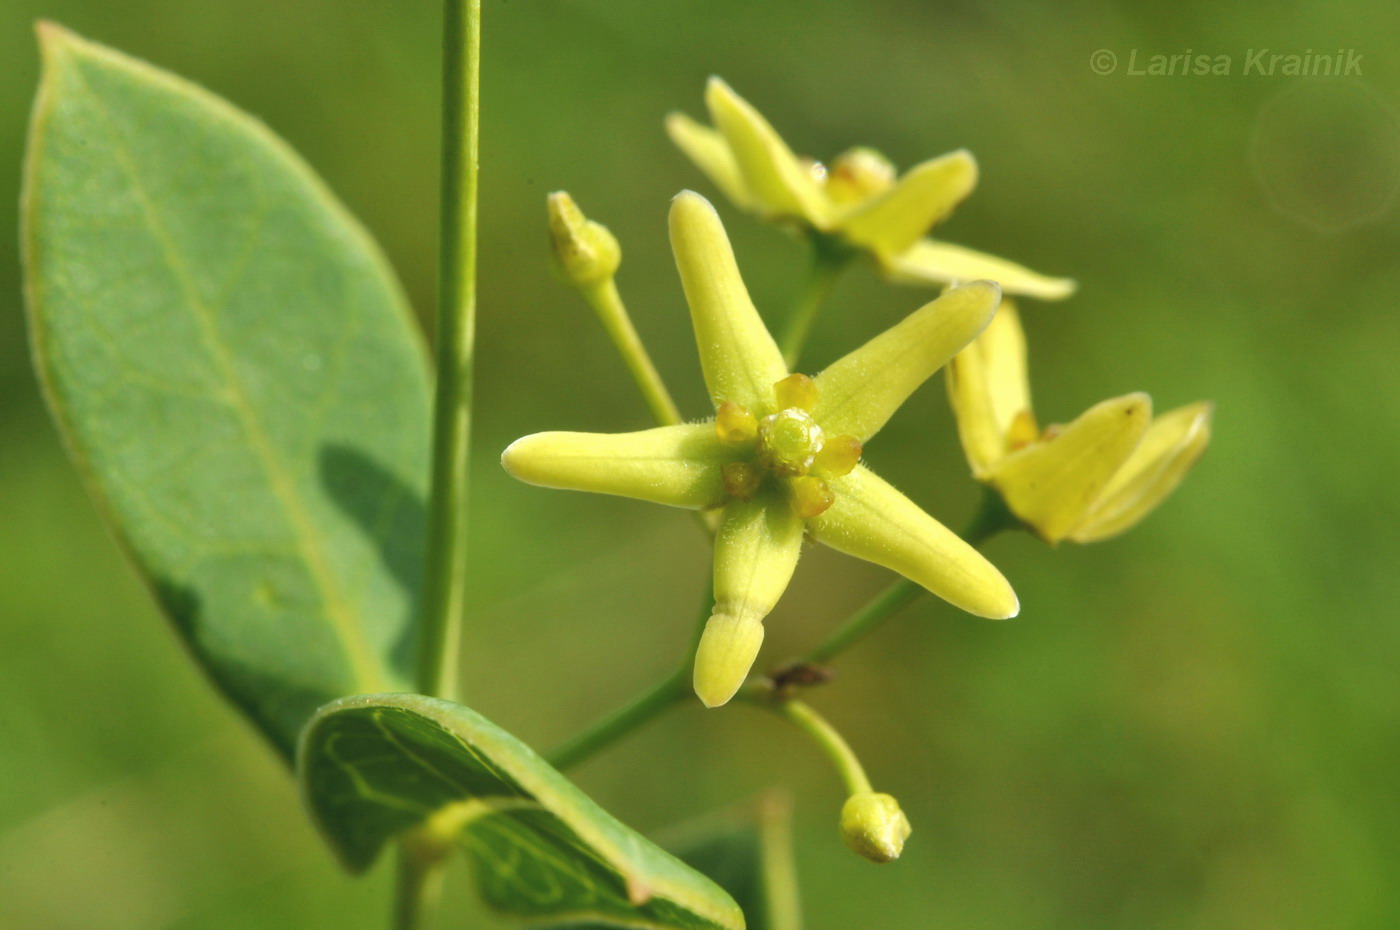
781, 458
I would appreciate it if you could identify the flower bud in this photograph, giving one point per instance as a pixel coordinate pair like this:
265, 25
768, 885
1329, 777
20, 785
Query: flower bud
873, 825
585, 253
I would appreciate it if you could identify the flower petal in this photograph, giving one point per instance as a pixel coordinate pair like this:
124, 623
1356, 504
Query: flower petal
1053, 483
873, 521
775, 178
892, 222
712, 155
756, 552
1169, 448
988, 389
740, 360
936, 263
675, 465
859, 393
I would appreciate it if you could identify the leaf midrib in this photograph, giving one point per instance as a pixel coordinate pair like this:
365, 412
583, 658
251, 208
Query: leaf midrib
365, 667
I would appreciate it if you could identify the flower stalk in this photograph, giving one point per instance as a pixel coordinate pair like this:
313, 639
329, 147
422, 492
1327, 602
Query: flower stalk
419, 876
586, 257
829, 260
445, 594
643, 708
872, 824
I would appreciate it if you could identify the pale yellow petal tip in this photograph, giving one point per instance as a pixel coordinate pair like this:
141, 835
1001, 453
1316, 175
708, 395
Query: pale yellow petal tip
717, 87
966, 174
1001, 602
1055, 289
966, 158
873, 826
516, 455
1015, 610
988, 292
688, 205
1136, 404
991, 287
726, 652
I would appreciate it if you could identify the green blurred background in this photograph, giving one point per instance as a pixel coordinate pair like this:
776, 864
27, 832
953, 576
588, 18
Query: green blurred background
1194, 726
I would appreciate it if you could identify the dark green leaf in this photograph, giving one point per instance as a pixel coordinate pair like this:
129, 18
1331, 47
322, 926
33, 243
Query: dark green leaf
237, 376
748, 852
375, 766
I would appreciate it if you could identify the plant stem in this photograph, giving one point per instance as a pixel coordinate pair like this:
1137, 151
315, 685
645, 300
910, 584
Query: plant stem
991, 518
885, 605
419, 876
417, 887
801, 715
828, 261
607, 302
663, 695
445, 594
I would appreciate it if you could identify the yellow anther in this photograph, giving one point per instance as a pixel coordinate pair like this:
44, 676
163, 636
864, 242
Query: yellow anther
797, 391
858, 174
1022, 431
810, 496
838, 457
741, 479
734, 424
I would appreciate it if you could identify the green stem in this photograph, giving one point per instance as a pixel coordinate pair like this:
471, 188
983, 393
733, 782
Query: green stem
665, 694
991, 518
885, 605
782, 898
661, 696
607, 302
821, 732
445, 594
828, 261
417, 887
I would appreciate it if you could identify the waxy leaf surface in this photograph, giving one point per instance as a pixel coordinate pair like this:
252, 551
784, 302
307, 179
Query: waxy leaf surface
237, 376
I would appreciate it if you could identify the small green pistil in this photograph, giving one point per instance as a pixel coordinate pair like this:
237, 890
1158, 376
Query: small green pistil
788, 442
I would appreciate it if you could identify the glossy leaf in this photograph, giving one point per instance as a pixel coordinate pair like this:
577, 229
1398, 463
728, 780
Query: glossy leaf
374, 766
237, 376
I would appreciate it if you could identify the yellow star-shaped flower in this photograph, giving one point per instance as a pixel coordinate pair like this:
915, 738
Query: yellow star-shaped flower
781, 455
858, 201
1087, 481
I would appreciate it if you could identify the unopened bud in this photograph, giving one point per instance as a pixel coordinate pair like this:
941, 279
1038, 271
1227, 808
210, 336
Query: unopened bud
874, 826
585, 253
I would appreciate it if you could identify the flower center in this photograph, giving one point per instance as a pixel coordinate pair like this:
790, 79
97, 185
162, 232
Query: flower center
788, 447
788, 442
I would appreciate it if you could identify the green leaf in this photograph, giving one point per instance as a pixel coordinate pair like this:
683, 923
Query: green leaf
237, 376
748, 851
375, 766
